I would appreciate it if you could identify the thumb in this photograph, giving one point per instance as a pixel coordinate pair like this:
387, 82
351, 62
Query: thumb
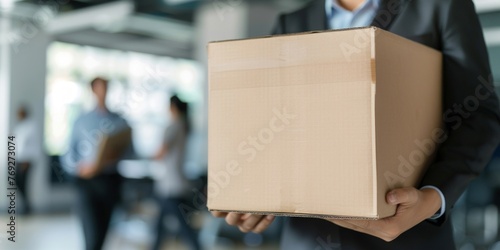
402, 195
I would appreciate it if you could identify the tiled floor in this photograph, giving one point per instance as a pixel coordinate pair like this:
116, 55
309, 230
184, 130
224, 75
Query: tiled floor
49, 232
62, 232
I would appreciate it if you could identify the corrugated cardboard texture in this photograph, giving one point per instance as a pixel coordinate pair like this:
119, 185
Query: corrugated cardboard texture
292, 125
408, 110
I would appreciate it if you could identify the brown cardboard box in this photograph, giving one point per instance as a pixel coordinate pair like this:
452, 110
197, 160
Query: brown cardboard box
320, 124
112, 148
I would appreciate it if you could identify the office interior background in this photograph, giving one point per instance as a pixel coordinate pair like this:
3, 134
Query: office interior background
150, 49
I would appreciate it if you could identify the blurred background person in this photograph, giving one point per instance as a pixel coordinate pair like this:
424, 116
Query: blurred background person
97, 192
28, 150
171, 186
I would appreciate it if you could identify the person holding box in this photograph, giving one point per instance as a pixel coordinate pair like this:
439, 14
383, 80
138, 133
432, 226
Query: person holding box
97, 181
471, 115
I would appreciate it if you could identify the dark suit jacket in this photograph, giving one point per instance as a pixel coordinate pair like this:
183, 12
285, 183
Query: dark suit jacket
471, 114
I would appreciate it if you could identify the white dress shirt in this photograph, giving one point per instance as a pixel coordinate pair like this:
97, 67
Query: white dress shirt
28, 141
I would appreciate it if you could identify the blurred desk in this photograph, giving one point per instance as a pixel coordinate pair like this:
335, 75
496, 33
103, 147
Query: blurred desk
137, 169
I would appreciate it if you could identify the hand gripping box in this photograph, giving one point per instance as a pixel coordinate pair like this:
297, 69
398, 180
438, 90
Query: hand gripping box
320, 124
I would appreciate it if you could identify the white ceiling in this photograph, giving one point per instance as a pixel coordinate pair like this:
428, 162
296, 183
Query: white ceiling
128, 30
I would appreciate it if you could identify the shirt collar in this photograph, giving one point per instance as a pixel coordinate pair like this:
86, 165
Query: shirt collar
101, 112
330, 5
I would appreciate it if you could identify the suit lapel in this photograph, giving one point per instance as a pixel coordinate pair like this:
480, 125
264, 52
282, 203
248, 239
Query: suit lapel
388, 12
316, 16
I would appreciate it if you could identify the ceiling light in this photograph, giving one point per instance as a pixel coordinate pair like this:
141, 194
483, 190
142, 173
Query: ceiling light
7, 4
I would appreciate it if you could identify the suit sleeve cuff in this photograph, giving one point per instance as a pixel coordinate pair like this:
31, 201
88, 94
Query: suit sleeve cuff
443, 203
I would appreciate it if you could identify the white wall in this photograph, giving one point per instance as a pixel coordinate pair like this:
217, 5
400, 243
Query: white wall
224, 20
4, 101
28, 88
28, 75
215, 20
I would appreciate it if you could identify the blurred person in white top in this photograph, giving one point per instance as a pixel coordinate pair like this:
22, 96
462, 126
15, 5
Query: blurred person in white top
28, 151
171, 185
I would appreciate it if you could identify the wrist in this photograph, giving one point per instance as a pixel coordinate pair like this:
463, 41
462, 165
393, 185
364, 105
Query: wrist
432, 201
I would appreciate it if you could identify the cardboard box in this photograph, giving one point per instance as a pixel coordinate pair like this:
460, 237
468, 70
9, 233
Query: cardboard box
112, 147
320, 124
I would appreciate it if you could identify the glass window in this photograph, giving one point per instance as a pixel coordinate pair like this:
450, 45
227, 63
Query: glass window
139, 89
